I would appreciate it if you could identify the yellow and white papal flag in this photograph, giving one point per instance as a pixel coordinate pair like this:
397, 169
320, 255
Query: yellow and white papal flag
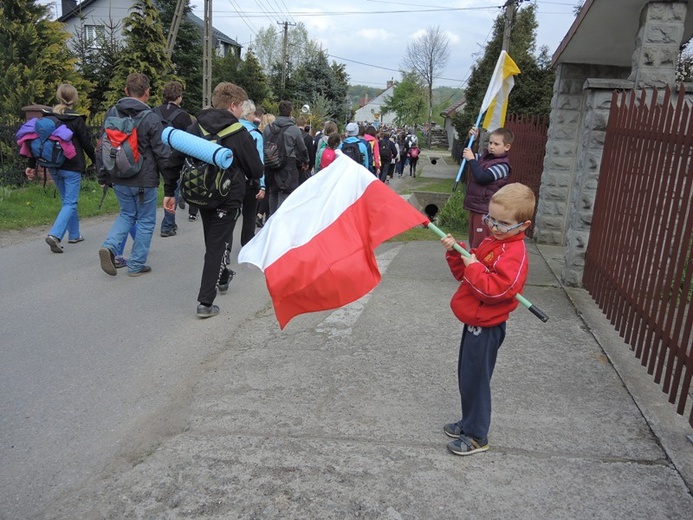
495, 102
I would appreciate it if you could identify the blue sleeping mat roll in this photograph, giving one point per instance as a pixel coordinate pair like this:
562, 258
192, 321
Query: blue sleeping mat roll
197, 147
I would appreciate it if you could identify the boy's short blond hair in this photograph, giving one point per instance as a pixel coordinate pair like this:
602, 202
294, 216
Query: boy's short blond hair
518, 198
226, 93
505, 134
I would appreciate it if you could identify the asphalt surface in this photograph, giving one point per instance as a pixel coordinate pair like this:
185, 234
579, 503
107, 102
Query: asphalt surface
117, 402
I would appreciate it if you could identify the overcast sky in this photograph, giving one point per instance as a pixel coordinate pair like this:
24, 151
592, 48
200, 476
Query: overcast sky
370, 36
376, 32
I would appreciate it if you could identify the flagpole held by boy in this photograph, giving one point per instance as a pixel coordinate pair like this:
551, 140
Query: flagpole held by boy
495, 103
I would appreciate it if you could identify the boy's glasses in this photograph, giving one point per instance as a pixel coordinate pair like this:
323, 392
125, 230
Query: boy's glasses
502, 228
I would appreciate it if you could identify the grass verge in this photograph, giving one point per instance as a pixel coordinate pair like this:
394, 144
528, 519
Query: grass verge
33, 205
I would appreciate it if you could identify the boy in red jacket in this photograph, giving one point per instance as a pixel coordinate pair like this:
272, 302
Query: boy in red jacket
491, 277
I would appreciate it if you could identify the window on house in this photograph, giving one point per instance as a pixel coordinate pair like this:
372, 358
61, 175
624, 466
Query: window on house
94, 34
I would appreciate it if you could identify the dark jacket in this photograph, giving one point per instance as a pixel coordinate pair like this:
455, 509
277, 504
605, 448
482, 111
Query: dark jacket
152, 150
489, 174
287, 179
293, 139
246, 161
181, 121
80, 140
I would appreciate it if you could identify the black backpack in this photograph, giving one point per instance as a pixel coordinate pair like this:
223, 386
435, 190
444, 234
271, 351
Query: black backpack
353, 151
206, 185
167, 121
274, 148
385, 151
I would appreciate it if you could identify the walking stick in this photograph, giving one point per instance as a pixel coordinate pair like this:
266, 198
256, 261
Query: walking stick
524, 301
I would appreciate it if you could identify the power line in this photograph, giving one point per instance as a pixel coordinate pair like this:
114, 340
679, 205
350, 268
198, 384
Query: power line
307, 14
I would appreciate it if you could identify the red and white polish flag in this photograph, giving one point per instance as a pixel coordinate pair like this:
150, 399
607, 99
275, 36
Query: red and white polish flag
318, 250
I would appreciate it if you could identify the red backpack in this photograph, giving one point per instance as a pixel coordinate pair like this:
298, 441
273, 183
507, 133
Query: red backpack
414, 152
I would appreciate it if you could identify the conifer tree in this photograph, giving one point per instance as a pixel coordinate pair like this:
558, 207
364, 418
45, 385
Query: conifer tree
145, 52
252, 79
187, 54
34, 58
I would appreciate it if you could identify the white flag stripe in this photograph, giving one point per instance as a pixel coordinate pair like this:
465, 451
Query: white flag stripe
495, 84
334, 189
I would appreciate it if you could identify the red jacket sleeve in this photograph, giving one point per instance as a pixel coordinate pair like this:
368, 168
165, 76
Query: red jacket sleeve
455, 263
503, 278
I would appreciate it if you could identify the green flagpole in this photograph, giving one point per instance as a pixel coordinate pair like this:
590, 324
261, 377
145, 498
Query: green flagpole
524, 301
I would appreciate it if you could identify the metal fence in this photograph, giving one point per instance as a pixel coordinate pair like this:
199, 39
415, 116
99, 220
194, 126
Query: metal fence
527, 152
638, 264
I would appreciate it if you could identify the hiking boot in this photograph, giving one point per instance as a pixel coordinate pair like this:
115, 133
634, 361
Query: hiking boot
54, 243
119, 262
258, 221
107, 261
453, 430
465, 445
168, 233
76, 240
145, 269
207, 311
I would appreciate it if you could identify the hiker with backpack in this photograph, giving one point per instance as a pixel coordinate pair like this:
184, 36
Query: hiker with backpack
220, 200
369, 135
285, 153
413, 158
387, 153
65, 172
171, 114
130, 155
255, 189
354, 147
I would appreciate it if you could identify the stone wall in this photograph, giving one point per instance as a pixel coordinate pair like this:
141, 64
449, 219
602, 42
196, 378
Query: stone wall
579, 115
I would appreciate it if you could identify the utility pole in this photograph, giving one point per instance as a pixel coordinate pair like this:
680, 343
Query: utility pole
509, 17
175, 25
285, 47
207, 55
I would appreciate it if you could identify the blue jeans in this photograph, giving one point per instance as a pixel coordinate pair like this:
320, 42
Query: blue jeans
68, 184
169, 221
135, 208
121, 247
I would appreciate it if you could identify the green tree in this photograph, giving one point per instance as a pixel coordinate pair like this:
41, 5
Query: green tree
409, 100
187, 53
225, 68
253, 80
533, 86
319, 84
145, 52
97, 60
34, 58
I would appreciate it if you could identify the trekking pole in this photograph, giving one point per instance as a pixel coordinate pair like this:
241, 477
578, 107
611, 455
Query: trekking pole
464, 161
524, 301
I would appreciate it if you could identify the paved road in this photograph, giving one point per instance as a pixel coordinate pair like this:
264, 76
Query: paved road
117, 402
88, 360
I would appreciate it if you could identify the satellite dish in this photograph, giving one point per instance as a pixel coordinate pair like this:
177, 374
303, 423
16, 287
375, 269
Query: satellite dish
305, 109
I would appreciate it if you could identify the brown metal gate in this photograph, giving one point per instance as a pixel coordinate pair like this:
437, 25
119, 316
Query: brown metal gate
638, 264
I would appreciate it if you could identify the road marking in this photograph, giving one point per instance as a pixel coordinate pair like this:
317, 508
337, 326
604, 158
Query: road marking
340, 322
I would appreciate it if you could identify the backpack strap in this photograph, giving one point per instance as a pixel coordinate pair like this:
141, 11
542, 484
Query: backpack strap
230, 130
